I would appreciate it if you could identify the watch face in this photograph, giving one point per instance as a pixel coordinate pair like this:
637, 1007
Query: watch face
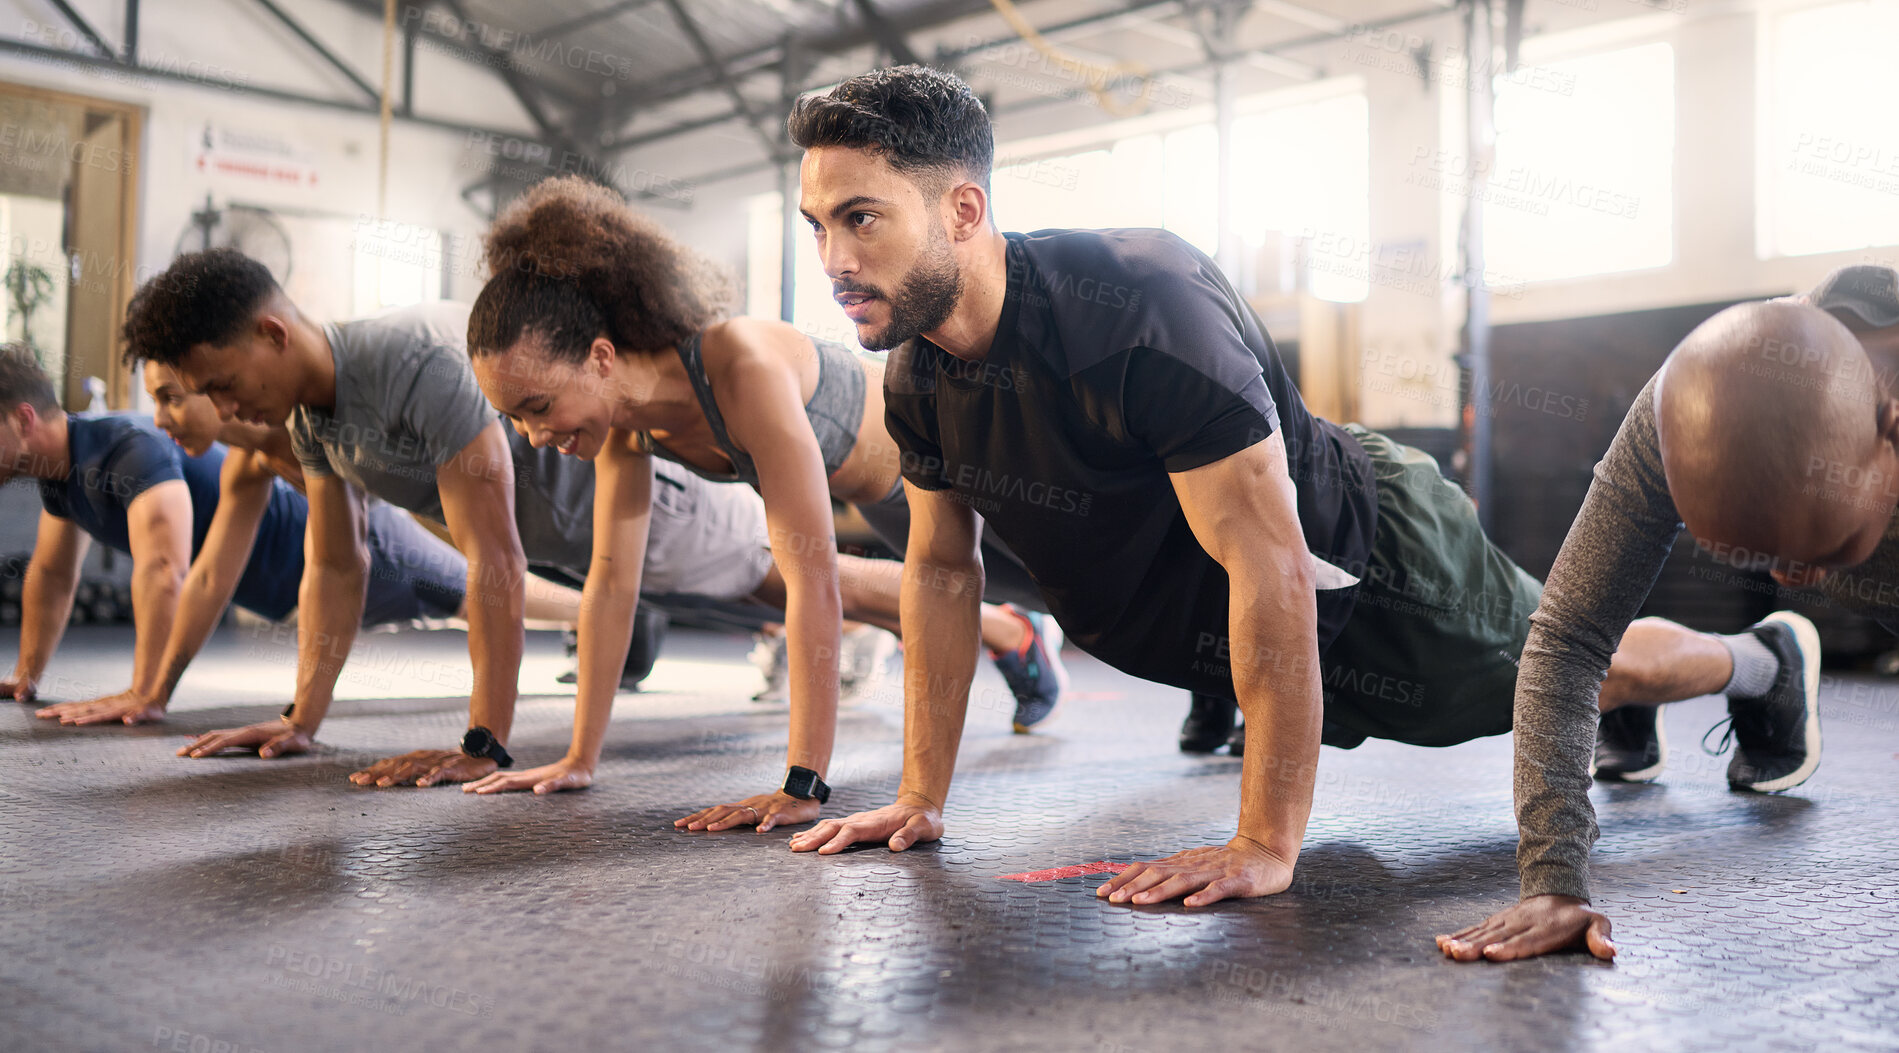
798, 783
477, 742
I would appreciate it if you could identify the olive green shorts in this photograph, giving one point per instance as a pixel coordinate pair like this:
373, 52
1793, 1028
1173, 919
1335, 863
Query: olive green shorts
1429, 655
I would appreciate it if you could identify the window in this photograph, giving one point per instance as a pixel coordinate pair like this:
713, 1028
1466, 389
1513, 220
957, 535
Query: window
1584, 169
397, 265
813, 310
1305, 172
1829, 148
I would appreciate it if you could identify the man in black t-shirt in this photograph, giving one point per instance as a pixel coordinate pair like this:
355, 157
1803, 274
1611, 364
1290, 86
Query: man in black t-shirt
1109, 405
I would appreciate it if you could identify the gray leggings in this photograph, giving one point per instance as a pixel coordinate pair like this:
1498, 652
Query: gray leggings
1005, 579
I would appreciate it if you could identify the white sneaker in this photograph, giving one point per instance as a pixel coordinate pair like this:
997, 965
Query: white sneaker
768, 654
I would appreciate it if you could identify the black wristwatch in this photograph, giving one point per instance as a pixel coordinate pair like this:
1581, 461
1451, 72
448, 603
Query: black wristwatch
804, 784
480, 742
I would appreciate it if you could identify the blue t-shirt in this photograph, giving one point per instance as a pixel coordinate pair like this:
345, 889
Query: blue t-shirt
117, 457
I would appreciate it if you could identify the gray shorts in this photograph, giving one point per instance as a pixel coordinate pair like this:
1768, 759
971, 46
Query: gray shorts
705, 538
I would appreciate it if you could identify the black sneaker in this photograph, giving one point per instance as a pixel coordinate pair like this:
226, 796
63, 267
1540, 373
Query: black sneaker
1777, 736
649, 632
1631, 745
1236, 742
1209, 722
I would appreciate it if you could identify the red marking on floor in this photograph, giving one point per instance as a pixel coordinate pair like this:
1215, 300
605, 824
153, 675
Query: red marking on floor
1070, 871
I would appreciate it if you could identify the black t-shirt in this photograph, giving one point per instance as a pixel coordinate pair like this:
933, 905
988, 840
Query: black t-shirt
116, 458
1121, 356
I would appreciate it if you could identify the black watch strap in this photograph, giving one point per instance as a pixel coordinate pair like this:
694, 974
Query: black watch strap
804, 784
480, 742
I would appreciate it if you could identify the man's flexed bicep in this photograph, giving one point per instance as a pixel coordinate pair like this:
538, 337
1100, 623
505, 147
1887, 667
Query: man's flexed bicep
1243, 509
477, 490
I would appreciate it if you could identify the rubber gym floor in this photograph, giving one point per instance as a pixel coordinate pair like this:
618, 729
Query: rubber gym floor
231, 905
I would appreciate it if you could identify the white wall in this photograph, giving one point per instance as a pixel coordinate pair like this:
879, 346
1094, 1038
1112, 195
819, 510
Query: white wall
225, 42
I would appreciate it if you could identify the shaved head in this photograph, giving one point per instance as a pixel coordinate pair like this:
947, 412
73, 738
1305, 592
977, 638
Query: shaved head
1780, 435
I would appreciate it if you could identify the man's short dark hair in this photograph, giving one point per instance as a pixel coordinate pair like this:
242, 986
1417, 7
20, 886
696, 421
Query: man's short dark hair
23, 379
202, 298
919, 119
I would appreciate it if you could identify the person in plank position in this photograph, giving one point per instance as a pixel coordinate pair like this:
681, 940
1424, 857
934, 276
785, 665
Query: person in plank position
1152, 464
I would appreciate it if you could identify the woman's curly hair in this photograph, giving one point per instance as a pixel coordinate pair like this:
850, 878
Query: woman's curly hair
570, 260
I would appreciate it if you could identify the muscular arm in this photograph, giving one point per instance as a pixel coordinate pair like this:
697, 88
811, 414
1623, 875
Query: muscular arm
244, 491
329, 609
941, 604
244, 494
159, 523
1244, 511
477, 488
51, 579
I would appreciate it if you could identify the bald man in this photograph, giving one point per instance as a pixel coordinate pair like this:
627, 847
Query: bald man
1772, 435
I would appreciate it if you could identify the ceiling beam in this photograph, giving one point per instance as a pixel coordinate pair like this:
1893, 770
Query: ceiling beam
323, 52
887, 36
78, 22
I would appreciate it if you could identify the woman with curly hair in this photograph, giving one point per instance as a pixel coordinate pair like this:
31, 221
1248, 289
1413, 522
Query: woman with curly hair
603, 337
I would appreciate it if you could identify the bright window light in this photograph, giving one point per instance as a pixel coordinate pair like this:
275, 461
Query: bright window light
1584, 168
396, 267
1305, 172
1829, 145
813, 310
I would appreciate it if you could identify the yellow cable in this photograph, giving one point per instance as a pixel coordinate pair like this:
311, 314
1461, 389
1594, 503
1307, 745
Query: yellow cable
1096, 77
388, 74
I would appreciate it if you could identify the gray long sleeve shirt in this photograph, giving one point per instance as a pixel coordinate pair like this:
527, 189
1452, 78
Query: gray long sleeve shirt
1603, 574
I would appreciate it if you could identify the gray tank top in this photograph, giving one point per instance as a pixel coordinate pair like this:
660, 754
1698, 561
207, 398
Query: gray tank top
835, 411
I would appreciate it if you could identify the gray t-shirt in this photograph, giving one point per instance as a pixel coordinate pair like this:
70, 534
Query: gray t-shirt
406, 403
1602, 576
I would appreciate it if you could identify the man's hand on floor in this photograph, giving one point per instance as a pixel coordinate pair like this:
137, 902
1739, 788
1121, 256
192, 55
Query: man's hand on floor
425, 768
1240, 868
273, 738
899, 825
126, 707
1537, 925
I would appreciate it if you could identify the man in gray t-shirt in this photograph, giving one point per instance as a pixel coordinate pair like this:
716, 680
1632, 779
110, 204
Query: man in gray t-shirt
388, 406
1757, 436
